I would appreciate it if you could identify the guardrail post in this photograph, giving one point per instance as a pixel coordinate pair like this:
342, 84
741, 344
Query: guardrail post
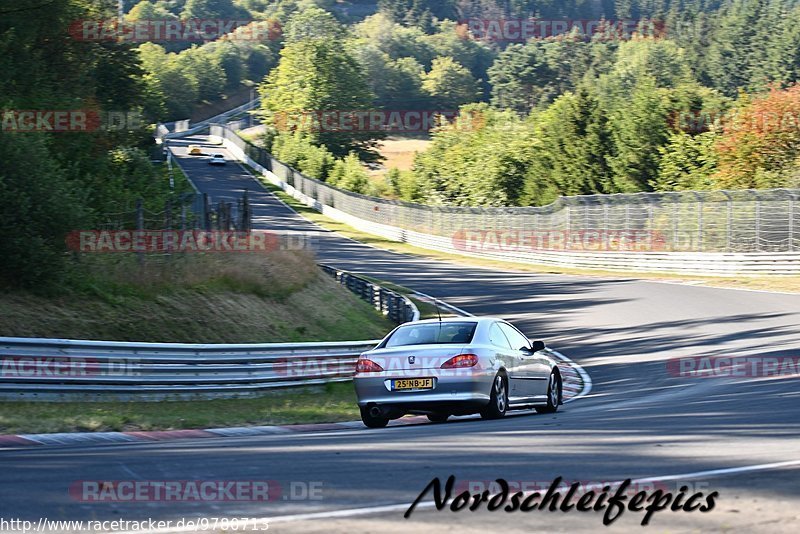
758, 222
247, 216
699, 221
568, 215
168, 221
675, 231
627, 216
729, 222
139, 226
206, 213
168, 214
792, 201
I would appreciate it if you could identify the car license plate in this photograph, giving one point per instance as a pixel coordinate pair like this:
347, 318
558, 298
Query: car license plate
412, 383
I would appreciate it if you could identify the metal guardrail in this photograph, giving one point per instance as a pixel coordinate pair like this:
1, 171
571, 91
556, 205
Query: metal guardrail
61, 369
722, 233
395, 306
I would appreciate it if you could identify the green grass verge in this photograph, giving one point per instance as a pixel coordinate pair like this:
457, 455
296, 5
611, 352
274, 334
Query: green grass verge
328, 403
764, 283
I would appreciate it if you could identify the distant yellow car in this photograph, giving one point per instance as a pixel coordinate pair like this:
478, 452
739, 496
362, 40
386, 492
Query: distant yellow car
195, 150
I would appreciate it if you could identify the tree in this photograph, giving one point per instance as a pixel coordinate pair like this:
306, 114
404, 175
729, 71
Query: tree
521, 79
479, 159
449, 84
202, 66
688, 162
448, 41
417, 12
737, 47
572, 148
637, 131
43, 205
212, 9
783, 56
57, 183
350, 174
393, 39
648, 83
147, 10
167, 78
313, 23
314, 76
760, 144
229, 58
298, 151
397, 84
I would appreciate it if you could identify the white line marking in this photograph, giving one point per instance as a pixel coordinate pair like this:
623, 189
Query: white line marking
402, 507
585, 378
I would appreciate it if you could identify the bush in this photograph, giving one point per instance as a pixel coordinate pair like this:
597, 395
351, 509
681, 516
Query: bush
39, 207
299, 152
350, 174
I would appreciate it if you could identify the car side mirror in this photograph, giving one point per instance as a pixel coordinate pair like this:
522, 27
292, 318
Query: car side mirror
536, 346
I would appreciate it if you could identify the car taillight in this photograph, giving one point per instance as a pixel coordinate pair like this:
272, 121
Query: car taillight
365, 365
462, 360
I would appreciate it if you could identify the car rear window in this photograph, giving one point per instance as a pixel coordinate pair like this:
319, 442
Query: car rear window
432, 333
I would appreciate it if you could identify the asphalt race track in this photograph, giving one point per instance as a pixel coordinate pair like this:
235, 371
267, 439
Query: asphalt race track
638, 421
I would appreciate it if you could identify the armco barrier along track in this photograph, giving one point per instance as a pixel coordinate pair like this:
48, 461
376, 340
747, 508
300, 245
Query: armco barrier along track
53, 369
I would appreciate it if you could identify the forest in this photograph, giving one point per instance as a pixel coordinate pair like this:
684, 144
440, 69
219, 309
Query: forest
708, 101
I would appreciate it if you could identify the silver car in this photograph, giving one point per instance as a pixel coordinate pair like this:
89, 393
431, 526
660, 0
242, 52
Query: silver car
455, 366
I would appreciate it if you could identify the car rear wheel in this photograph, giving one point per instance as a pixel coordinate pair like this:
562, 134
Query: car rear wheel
438, 417
498, 400
373, 421
553, 395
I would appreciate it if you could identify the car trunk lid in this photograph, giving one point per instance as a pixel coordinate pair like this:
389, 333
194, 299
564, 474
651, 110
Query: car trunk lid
415, 357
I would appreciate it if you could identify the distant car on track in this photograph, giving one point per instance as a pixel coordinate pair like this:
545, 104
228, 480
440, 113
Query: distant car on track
194, 150
216, 159
455, 366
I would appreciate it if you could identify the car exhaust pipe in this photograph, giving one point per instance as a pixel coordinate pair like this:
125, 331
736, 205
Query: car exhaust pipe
375, 411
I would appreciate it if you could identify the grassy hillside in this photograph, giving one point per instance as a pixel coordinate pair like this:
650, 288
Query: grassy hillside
279, 297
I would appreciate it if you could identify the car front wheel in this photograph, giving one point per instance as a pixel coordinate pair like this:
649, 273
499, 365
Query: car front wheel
498, 399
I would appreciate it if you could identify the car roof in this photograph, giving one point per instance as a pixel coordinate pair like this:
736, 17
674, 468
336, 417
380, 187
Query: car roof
457, 320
